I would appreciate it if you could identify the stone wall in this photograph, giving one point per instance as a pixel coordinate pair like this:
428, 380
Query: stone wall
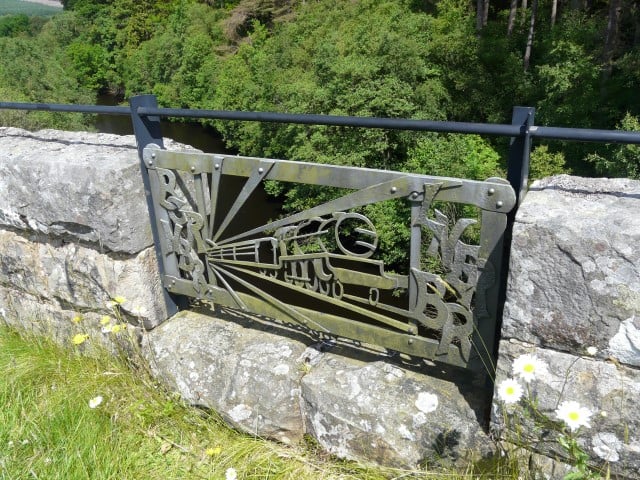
573, 301
74, 235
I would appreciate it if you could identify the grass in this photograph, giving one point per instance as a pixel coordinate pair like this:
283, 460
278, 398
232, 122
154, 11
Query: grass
139, 431
13, 7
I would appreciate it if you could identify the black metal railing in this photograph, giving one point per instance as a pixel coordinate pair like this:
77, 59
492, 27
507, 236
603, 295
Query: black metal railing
302, 270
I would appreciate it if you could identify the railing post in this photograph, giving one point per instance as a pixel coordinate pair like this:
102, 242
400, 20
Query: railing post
520, 152
147, 131
518, 177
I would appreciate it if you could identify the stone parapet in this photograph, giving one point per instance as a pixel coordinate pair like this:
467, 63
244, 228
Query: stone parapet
78, 186
274, 382
574, 275
573, 302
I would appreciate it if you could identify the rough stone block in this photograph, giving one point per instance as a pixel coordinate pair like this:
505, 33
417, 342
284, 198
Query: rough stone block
84, 187
281, 387
611, 391
38, 316
574, 276
248, 376
382, 413
79, 280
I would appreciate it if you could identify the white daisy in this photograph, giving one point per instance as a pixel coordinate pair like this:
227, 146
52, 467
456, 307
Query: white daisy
231, 474
95, 401
574, 415
510, 391
528, 366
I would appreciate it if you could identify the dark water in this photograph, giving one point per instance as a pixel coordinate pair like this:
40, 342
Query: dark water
190, 133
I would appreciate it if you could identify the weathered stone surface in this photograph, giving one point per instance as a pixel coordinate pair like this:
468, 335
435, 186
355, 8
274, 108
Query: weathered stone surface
35, 315
76, 185
250, 377
608, 389
574, 278
76, 279
379, 412
278, 387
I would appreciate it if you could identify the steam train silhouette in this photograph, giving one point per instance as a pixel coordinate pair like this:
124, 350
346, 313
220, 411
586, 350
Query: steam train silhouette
324, 255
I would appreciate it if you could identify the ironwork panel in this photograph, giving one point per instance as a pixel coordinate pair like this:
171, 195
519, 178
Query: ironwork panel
320, 268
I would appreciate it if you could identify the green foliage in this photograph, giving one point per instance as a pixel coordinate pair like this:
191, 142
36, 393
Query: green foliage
33, 71
12, 25
544, 163
449, 155
620, 160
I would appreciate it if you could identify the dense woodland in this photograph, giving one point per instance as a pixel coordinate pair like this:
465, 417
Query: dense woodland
576, 61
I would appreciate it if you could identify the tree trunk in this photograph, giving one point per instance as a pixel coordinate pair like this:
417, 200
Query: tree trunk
513, 9
485, 13
527, 51
635, 11
611, 37
554, 12
479, 14
524, 11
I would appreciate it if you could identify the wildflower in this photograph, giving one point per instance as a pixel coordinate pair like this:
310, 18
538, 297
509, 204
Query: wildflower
118, 328
77, 319
510, 391
210, 452
426, 402
527, 367
573, 415
10, 444
603, 414
592, 351
119, 300
95, 401
231, 474
79, 338
111, 303
105, 320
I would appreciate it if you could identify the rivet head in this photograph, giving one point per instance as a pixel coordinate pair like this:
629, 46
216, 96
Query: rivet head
492, 191
150, 162
414, 195
410, 341
394, 189
499, 204
217, 166
261, 170
193, 169
153, 155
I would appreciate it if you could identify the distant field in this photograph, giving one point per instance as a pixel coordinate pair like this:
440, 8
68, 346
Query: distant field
8, 7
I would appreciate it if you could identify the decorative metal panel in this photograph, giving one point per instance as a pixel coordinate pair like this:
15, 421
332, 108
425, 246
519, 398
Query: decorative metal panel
320, 268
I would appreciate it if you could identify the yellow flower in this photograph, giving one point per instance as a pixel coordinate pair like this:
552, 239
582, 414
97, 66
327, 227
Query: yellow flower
77, 319
111, 303
118, 328
119, 300
105, 320
79, 338
213, 451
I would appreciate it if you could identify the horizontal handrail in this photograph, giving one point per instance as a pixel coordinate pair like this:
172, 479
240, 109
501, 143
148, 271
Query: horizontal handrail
505, 130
